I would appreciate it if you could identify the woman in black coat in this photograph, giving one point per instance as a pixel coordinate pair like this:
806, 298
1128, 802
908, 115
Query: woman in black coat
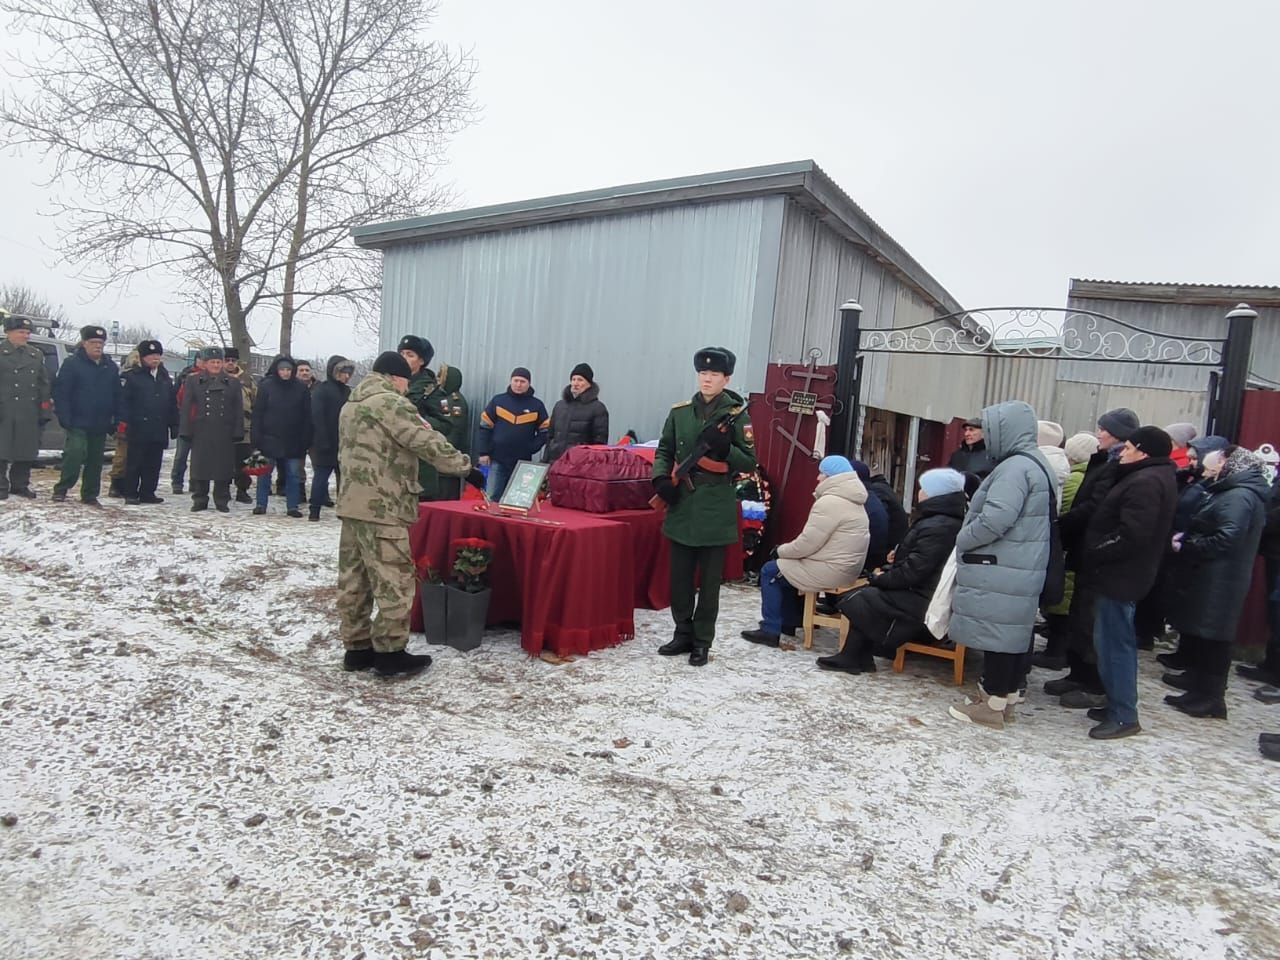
890, 610
282, 430
578, 416
1212, 573
327, 399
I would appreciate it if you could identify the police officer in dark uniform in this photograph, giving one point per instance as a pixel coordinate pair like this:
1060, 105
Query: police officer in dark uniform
702, 510
24, 402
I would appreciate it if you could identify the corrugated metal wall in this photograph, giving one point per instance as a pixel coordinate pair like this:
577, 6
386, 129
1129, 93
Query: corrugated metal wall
1023, 378
634, 295
819, 270
1159, 393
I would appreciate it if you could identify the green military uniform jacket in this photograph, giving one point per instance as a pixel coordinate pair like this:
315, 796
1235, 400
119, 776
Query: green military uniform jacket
707, 515
24, 387
381, 438
422, 389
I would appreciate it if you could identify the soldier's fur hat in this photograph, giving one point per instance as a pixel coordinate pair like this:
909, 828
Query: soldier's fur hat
17, 323
211, 353
230, 353
92, 332
148, 348
715, 359
419, 345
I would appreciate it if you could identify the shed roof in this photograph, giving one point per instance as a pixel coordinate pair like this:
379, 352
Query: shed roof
1207, 294
802, 180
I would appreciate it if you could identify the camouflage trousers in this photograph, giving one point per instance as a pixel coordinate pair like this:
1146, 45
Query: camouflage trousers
374, 567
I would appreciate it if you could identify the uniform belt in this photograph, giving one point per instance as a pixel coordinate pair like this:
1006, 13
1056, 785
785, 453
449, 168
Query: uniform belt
713, 466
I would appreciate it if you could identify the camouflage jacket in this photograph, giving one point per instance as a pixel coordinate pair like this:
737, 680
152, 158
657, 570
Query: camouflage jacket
249, 389
381, 438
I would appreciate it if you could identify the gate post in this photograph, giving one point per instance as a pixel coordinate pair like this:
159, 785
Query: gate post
848, 379
1235, 371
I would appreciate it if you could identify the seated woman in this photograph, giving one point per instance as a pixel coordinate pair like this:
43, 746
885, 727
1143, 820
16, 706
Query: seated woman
829, 552
890, 610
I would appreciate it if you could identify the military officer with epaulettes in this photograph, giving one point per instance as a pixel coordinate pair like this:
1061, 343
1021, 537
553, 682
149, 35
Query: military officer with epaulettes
24, 398
381, 439
417, 352
702, 510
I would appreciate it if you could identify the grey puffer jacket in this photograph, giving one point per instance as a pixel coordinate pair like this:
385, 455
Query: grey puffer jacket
1003, 547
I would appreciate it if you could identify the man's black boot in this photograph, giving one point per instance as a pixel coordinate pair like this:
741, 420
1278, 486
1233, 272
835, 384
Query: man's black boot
679, 644
698, 656
762, 637
358, 660
400, 663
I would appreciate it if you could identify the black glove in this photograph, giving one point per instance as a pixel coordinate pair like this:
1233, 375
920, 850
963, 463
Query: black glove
717, 444
475, 478
666, 488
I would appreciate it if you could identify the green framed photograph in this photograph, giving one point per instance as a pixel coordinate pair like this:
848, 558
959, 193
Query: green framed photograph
524, 487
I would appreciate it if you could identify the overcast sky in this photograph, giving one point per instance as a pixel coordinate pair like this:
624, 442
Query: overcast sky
1006, 145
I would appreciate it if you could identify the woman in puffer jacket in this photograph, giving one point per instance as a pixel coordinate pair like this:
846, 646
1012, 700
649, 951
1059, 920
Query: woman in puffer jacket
1211, 577
829, 552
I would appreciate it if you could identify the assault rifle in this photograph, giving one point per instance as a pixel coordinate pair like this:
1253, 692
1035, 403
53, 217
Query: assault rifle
698, 459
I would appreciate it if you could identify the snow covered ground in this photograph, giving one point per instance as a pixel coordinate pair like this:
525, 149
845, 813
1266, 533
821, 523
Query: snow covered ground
188, 773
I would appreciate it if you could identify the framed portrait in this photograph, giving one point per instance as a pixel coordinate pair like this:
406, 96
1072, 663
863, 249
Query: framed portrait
524, 487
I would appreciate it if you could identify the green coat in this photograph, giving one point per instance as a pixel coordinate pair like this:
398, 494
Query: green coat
422, 389
707, 515
24, 386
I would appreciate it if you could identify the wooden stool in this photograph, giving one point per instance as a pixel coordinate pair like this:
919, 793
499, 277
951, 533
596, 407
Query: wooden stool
812, 618
954, 653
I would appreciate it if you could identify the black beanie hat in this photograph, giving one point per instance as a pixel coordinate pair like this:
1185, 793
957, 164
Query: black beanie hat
1152, 441
230, 353
1120, 422
419, 345
148, 348
522, 372
583, 370
391, 364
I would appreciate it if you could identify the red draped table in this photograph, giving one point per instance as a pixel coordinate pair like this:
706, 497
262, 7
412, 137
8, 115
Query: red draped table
571, 586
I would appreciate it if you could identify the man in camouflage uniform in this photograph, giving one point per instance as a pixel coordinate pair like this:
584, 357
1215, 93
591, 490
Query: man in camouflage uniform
417, 352
702, 511
381, 438
24, 401
249, 391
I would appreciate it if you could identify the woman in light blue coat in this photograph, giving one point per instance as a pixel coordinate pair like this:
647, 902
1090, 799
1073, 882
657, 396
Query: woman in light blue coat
1002, 553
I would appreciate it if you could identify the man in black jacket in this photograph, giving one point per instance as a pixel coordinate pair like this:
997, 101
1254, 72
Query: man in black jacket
86, 398
1082, 687
282, 431
1119, 559
148, 412
579, 416
327, 399
973, 457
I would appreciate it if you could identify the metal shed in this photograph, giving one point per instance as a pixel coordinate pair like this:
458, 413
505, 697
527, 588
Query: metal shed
633, 279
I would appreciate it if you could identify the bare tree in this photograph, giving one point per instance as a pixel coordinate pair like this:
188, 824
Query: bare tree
237, 142
19, 298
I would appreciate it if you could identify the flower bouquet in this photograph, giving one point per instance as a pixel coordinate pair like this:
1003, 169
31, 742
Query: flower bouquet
471, 559
468, 603
255, 465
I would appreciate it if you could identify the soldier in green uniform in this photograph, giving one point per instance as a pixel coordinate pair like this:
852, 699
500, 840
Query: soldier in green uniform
417, 352
449, 403
702, 511
24, 401
381, 438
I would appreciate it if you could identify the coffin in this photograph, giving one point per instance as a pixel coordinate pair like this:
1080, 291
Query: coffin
600, 480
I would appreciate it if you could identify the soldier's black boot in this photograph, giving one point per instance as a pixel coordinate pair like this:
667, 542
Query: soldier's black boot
681, 643
400, 663
698, 656
358, 659
26, 492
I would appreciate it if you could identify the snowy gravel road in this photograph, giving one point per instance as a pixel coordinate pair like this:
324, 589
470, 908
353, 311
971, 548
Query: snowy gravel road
189, 774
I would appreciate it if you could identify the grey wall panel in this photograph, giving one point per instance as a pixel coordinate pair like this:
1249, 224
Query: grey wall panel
1021, 378
1077, 405
931, 386
799, 230
634, 295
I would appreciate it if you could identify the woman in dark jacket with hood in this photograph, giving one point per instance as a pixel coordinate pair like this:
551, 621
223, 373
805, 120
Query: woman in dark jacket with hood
578, 416
890, 610
1211, 576
327, 399
282, 430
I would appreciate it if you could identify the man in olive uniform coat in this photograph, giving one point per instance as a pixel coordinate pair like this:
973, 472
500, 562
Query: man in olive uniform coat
451, 406
381, 438
24, 398
702, 510
212, 420
417, 352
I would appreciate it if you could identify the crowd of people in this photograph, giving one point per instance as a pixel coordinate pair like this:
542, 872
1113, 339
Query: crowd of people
1099, 542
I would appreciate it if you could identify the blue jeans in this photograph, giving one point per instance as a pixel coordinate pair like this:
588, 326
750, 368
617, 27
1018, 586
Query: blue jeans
779, 602
496, 482
320, 486
292, 470
1116, 644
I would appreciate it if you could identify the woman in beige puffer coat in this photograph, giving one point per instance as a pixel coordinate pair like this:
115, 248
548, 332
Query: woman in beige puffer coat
829, 552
